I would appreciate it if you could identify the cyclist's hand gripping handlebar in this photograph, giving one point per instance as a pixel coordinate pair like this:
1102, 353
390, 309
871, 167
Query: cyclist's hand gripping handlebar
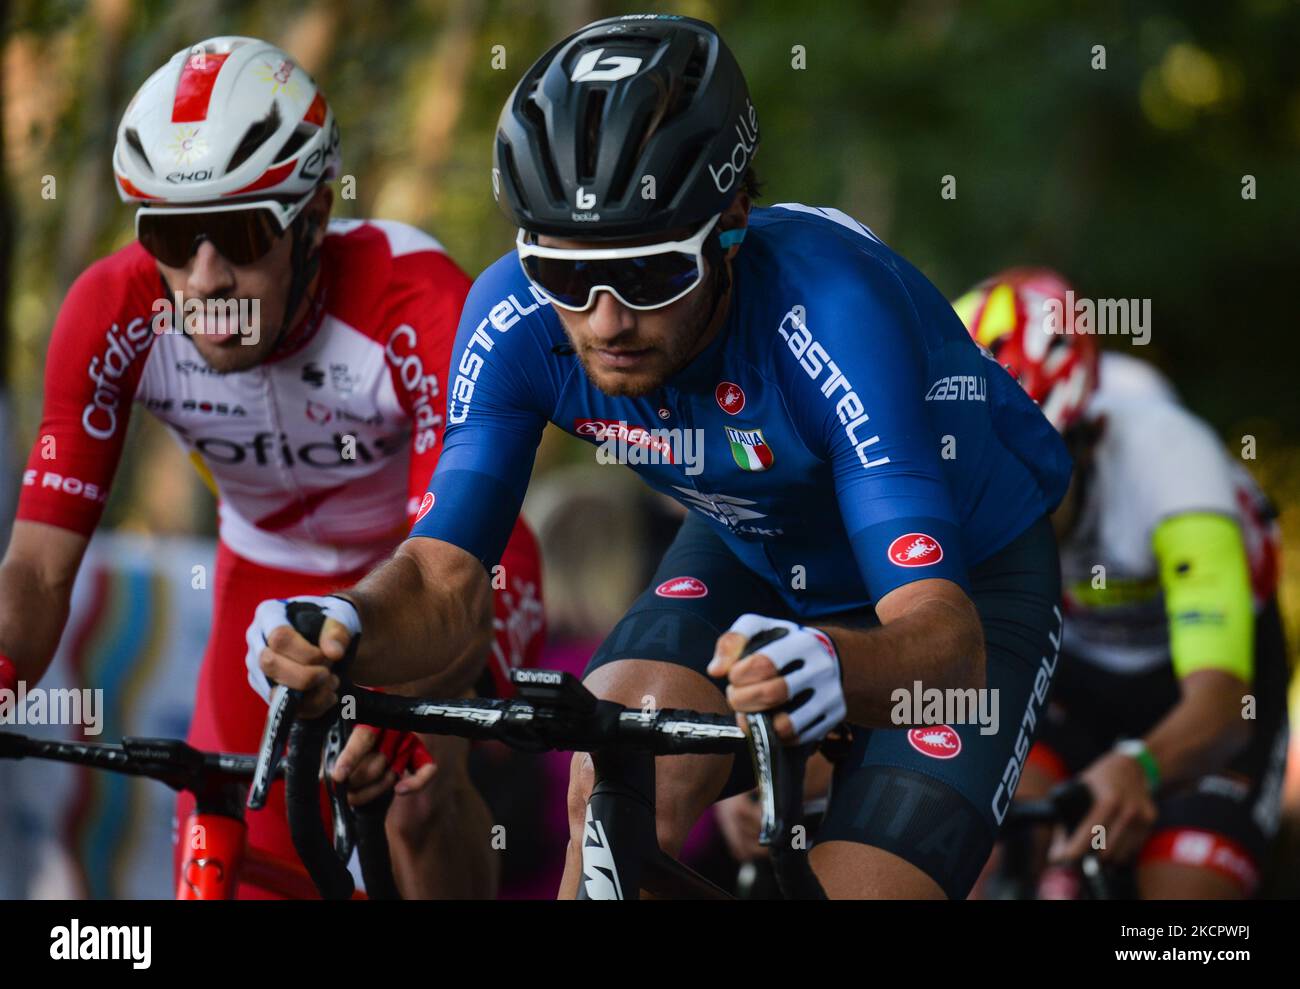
779, 770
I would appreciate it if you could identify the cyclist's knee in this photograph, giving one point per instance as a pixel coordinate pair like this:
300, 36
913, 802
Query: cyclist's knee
413, 815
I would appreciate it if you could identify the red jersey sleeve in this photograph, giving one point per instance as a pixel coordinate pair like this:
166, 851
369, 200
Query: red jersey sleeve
431, 290
101, 339
519, 617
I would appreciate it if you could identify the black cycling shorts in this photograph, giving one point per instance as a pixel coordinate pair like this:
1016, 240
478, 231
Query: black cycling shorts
933, 796
1092, 708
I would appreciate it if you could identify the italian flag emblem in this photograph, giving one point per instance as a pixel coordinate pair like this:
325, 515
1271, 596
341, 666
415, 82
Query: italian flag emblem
749, 449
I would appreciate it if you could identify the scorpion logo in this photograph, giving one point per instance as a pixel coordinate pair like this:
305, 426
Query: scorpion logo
937, 741
915, 549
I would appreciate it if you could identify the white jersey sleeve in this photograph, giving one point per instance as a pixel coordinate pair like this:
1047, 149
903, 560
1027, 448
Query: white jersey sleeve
1155, 460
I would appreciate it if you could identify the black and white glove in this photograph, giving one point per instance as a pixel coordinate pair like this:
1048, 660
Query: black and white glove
805, 658
273, 613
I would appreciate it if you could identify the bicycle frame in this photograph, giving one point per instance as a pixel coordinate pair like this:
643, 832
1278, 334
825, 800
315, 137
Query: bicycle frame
620, 851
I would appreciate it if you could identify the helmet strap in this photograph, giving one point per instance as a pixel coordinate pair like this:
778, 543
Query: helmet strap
715, 253
304, 263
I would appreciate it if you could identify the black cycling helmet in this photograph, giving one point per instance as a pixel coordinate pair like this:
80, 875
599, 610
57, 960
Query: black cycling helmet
622, 101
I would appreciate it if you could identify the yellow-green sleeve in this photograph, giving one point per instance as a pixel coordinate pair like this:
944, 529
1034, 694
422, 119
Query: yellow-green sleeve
1206, 583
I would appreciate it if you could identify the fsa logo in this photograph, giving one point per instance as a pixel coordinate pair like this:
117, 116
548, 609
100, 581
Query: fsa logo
613, 68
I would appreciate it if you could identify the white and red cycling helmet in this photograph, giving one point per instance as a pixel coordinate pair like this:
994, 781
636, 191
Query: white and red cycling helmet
1008, 315
229, 118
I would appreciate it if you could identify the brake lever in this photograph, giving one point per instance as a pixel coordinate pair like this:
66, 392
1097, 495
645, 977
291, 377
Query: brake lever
779, 770
281, 714
345, 839
307, 620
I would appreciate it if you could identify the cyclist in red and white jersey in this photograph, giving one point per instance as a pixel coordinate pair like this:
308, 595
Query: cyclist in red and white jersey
316, 418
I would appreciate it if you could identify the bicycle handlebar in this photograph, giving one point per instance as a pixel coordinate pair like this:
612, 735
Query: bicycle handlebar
303, 743
167, 760
553, 710
1066, 804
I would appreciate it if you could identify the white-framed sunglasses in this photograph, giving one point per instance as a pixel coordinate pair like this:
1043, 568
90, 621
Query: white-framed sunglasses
242, 232
643, 277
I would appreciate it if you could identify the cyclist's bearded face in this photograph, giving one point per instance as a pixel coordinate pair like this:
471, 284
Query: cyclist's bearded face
242, 330
243, 342
633, 352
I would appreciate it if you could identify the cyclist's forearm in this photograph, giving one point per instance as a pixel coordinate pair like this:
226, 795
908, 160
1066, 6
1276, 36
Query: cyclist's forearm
426, 612
1203, 730
938, 642
32, 616
36, 578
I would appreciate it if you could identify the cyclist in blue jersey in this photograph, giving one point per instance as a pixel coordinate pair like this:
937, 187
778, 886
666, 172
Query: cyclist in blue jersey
861, 477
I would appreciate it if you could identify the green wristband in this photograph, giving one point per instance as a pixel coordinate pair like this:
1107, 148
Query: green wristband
1137, 749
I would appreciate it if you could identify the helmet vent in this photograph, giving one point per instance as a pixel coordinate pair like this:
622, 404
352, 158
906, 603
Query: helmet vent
542, 149
693, 74
591, 134
296, 140
133, 142
255, 137
511, 174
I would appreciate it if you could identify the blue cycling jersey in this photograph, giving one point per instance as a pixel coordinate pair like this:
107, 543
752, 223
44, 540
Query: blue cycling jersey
842, 432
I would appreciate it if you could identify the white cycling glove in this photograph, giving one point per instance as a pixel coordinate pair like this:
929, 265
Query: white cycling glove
808, 663
273, 613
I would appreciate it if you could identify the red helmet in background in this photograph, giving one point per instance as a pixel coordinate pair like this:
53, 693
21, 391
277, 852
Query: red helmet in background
1024, 319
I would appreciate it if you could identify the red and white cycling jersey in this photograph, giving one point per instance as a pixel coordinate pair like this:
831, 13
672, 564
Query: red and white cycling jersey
319, 455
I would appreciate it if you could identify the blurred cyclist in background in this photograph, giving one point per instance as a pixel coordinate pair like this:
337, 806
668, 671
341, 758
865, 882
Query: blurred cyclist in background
1170, 696
316, 418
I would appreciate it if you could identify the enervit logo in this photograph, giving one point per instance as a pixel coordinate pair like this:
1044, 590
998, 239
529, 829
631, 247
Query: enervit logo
730, 396
592, 68
425, 504
612, 429
914, 549
936, 741
733, 166
682, 587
